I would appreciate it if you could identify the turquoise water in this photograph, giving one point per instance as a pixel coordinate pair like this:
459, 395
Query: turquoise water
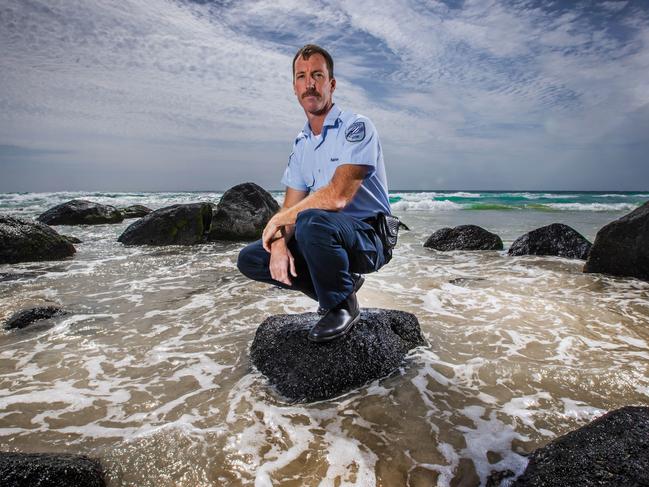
511, 200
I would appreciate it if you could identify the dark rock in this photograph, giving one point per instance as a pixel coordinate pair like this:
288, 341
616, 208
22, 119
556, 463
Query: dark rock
15, 276
81, 212
464, 237
302, 370
611, 451
23, 241
26, 317
135, 211
464, 281
71, 239
174, 225
497, 476
555, 239
621, 248
49, 470
242, 213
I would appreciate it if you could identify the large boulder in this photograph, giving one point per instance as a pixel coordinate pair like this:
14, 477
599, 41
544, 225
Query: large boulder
611, 451
23, 241
135, 211
621, 248
464, 237
49, 470
81, 212
302, 370
555, 239
242, 213
186, 224
26, 317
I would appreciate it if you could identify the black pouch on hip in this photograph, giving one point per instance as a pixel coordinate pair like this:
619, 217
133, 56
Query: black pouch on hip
387, 226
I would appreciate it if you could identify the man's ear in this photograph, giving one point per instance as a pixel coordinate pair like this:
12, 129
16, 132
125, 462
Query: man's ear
333, 84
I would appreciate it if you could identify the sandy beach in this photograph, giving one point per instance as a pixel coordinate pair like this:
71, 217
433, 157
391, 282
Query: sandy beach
150, 370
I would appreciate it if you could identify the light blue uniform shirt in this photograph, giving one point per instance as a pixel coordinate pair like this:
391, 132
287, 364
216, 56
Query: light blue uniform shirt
346, 138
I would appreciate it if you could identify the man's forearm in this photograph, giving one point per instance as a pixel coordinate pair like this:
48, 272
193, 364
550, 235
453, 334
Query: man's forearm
334, 196
325, 199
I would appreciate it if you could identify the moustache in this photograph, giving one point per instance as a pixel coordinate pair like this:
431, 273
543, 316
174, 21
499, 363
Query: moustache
310, 93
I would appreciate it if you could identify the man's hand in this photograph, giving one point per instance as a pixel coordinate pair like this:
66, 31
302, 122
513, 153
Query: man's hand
272, 232
281, 262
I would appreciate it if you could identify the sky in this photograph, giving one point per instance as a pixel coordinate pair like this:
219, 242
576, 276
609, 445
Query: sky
178, 95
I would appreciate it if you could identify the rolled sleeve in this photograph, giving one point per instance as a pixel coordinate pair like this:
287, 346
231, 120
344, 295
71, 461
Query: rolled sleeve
293, 175
361, 145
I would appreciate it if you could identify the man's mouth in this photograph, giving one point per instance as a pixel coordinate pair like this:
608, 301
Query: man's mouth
310, 93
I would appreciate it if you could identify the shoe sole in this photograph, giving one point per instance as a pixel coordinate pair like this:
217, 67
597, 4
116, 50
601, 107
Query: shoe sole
333, 337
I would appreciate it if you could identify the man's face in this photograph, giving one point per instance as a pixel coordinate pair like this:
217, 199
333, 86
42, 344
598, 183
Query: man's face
312, 84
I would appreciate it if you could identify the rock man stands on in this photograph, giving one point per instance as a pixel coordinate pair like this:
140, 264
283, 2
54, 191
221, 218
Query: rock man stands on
323, 238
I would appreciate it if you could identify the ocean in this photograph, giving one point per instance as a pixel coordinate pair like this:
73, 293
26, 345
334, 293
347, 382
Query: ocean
150, 370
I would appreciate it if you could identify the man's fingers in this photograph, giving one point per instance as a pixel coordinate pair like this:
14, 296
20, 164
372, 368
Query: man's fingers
291, 266
267, 236
265, 241
280, 274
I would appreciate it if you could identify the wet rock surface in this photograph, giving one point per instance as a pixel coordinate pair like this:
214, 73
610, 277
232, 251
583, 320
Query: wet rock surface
302, 370
26, 317
498, 476
49, 470
621, 248
185, 224
135, 211
81, 212
464, 237
612, 451
242, 213
556, 239
24, 241
72, 239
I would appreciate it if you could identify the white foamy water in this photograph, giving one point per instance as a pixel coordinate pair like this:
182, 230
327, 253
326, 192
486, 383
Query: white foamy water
150, 372
594, 206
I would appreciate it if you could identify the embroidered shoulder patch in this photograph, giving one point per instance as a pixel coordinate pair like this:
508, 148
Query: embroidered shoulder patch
355, 132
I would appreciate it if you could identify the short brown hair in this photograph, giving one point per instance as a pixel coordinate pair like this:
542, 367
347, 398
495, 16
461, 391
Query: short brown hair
310, 49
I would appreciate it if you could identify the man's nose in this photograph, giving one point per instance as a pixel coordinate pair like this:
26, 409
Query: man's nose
310, 82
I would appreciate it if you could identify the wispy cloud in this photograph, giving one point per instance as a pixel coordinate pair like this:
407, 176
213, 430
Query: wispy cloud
464, 95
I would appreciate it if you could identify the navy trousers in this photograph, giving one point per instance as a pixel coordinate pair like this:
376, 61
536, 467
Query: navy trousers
327, 247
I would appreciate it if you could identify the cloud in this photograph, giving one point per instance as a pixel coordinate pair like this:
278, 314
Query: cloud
198, 85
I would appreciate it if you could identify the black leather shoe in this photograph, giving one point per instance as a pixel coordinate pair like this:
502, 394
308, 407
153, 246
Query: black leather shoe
358, 282
322, 311
337, 321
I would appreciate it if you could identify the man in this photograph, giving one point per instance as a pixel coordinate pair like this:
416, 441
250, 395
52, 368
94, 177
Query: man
322, 240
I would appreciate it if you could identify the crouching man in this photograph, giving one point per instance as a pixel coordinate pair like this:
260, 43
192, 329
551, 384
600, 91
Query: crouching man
325, 236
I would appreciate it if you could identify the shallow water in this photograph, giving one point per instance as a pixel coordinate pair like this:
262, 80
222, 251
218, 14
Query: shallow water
150, 371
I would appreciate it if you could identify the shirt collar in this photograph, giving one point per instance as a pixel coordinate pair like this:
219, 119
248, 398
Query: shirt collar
330, 120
